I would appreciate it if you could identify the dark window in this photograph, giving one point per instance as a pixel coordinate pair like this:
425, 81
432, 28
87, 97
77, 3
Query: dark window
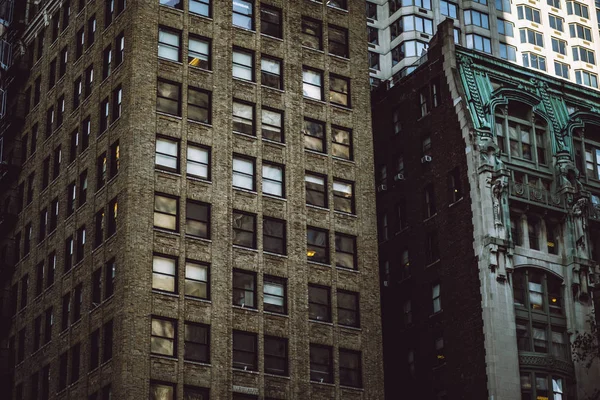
96, 287
244, 288
64, 59
89, 81
30, 180
316, 190
343, 196
274, 235
197, 219
244, 350
83, 183
319, 303
312, 33
75, 362
164, 273
40, 44
244, 229
343, 4
99, 221
317, 245
117, 103
28, 238
119, 49
39, 281
37, 332
197, 342
77, 92
168, 97
192, 392
69, 253
243, 14
164, 337
339, 90
429, 198
91, 30
109, 10
77, 303
106, 62
46, 172
51, 269
164, 391
79, 42
350, 368
55, 26
62, 371
432, 252
48, 322
104, 114
314, 135
341, 142
37, 92
199, 105
338, 41
80, 244
348, 309
60, 111
86, 130
454, 185
321, 364
275, 294
271, 72
115, 158
24, 291
71, 195
56, 164
110, 270
345, 251
197, 280
50, 116
66, 309
107, 341
94, 349
270, 21
52, 74
276, 355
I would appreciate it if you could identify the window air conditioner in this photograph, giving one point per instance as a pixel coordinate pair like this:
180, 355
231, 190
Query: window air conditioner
381, 188
425, 159
399, 177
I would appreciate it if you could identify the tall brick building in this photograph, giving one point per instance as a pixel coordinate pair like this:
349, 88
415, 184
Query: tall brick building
187, 201
488, 196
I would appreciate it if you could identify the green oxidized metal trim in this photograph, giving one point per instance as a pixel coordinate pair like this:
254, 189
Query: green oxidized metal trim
471, 86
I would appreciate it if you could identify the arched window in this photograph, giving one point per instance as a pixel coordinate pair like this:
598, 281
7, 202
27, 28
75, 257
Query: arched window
520, 133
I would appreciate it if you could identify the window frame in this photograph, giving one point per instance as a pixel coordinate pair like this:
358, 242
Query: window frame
163, 212
175, 157
242, 174
271, 355
253, 352
270, 306
239, 66
264, 21
334, 93
204, 208
162, 338
188, 343
273, 181
343, 237
317, 310
162, 272
267, 236
170, 99
240, 215
306, 71
196, 281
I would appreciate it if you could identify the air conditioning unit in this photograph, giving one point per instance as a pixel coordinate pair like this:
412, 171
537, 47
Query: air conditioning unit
381, 188
425, 159
385, 283
399, 177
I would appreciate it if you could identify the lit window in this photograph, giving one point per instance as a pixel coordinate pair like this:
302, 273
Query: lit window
164, 391
243, 173
196, 280
164, 274
273, 179
169, 44
198, 162
317, 245
200, 7
199, 52
312, 83
436, 298
243, 64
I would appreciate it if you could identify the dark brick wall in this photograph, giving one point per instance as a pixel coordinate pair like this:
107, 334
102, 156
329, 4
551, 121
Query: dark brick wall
460, 322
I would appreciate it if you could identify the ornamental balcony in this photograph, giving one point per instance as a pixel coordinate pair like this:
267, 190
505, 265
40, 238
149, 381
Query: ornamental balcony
537, 196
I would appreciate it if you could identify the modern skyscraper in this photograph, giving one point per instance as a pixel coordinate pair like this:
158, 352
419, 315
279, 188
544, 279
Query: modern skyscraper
557, 37
188, 201
488, 205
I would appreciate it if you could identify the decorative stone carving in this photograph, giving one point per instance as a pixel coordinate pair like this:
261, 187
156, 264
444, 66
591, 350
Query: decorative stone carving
580, 221
499, 199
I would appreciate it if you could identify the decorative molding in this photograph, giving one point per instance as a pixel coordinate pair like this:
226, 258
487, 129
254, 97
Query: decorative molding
546, 362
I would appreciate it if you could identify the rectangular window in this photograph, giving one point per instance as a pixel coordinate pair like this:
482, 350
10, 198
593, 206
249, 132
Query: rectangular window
77, 92
243, 118
449, 9
119, 49
245, 351
52, 74
172, 3
431, 248
272, 125
243, 64
556, 22
454, 185
75, 362
115, 162
429, 198
81, 238
338, 41
350, 368
244, 229
48, 322
273, 182
561, 69
436, 298
339, 90
109, 9
51, 269
342, 4
505, 28
559, 46
60, 111
166, 212
91, 30
473, 17
532, 37
50, 116
244, 289
319, 303
106, 62
275, 294
77, 303
407, 313
101, 169
316, 190
586, 78
66, 309
314, 135
199, 52
276, 355
163, 339
321, 363
83, 183
348, 308
345, 251
532, 60
24, 291
243, 14
270, 21
113, 207
198, 162
312, 83
86, 130
201, 7
197, 343
372, 11
197, 219
479, 43
164, 391
79, 42
89, 81
168, 97
166, 156
169, 44
584, 54
271, 72
508, 52
99, 231
274, 235
312, 33
579, 9
243, 173
341, 142
39, 281
96, 287
343, 196
117, 103
196, 280
69, 253
199, 105
104, 115
62, 66
529, 13
110, 270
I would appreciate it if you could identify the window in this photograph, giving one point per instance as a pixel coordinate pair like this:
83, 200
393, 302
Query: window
271, 72
561, 69
343, 196
198, 162
319, 303
372, 11
89, 81
166, 156
244, 350
338, 4
321, 363
200, 7
199, 52
77, 91
164, 272
164, 337
244, 289
424, 102
348, 309
52, 74
96, 287
350, 368
508, 52
272, 125
429, 197
554, 3
345, 251
106, 62
559, 46
91, 30
454, 185
69, 253
62, 68
407, 313
436, 298
338, 41
432, 253
583, 54
195, 393
99, 231
197, 219
174, 4
275, 294
104, 114
580, 31
243, 64
196, 280
166, 212
243, 173
48, 322
270, 21
339, 90
534, 61
79, 42
197, 342
529, 13
314, 135
586, 78
312, 84
479, 43
274, 235
119, 49
243, 118
312, 33
477, 18
505, 28
276, 355
164, 391
374, 61
117, 103
168, 97
341, 142
50, 116
579, 9
81, 238
199, 105
244, 229
316, 190
101, 167
527, 139
109, 281
373, 35
273, 179
243, 14
556, 22
449, 9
